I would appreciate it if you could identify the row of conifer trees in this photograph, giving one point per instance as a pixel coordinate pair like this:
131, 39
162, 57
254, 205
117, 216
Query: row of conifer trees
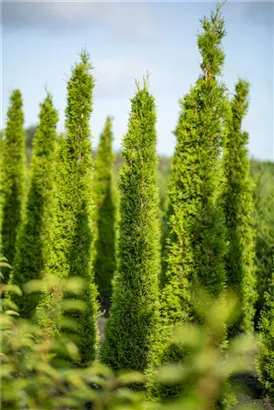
62, 218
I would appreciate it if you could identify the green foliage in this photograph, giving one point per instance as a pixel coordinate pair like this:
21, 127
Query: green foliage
201, 380
210, 43
263, 176
106, 209
31, 380
73, 237
67, 238
35, 238
30, 134
195, 243
238, 207
133, 321
2, 143
266, 355
13, 165
162, 180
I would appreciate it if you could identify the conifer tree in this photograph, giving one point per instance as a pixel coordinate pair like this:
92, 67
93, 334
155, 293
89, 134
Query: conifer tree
239, 209
73, 237
266, 354
13, 174
2, 143
263, 176
34, 239
133, 320
105, 260
195, 243
196, 235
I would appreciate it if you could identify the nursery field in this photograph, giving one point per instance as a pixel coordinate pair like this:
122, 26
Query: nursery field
132, 280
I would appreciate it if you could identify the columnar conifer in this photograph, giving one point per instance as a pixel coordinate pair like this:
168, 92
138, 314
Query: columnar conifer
266, 355
105, 259
34, 239
73, 237
195, 244
238, 206
134, 313
2, 143
263, 176
13, 174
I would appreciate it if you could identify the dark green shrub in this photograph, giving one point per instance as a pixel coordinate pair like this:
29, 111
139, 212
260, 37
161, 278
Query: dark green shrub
266, 355
263, 176
106, 210
30, 134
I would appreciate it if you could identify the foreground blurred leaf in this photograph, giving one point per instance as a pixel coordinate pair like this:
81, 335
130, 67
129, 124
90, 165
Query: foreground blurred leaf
73, 304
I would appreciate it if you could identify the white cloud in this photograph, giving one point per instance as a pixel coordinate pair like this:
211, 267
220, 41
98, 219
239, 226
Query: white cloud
254, 12
120, 18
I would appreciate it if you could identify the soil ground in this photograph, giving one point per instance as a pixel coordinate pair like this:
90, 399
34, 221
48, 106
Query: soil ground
251, 393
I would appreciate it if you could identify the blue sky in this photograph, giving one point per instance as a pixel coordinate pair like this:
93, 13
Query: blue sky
41, 42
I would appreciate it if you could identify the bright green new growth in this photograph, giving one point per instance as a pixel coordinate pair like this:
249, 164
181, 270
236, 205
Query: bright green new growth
133, 321
105, 259
13, 174
195, 244
266, 356
238, 207
34, 238
71, 255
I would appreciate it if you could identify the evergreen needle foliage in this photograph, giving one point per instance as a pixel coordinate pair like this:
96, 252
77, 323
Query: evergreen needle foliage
263, 175
2, 143
73, 238
266, 356
239, 208
106, 209
13, 173
35, 237
195, 244
133, 321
